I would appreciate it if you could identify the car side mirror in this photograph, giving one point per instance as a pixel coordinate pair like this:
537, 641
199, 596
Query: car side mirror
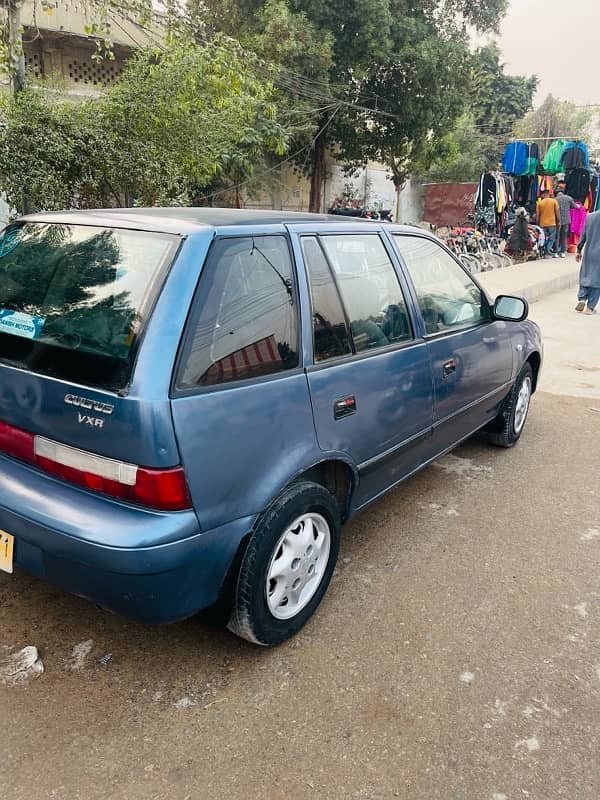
511, 309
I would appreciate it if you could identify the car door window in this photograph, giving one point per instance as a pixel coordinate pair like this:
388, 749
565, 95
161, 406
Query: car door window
448, 297
245, 324
369, 289
331, 337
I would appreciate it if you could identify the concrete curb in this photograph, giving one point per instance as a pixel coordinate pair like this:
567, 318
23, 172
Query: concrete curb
534, 280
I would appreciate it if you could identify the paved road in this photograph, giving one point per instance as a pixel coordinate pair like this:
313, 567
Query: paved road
456, 656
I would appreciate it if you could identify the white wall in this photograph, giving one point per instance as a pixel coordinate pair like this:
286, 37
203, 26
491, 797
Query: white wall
4, 210
411, 203
370, 185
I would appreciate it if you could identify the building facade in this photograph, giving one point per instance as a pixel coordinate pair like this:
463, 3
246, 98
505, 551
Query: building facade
59, 50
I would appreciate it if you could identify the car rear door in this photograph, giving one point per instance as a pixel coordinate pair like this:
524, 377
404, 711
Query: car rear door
471, 353
240, 403
370, 378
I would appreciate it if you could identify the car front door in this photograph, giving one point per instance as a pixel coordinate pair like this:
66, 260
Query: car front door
370, 380
471, 353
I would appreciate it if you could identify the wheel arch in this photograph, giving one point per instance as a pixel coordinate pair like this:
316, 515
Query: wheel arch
535, 361
337, 476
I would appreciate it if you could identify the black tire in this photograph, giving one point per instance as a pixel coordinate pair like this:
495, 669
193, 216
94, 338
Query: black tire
251, 617
504, 431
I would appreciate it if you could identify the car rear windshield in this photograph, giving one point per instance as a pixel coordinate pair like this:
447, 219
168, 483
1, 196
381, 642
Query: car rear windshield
74, 298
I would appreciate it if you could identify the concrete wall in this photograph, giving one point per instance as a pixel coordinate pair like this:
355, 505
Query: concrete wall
72, 16
66, 60
369, 187
288, 190
411, 203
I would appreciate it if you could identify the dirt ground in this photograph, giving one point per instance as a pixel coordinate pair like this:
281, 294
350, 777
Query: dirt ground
456, 656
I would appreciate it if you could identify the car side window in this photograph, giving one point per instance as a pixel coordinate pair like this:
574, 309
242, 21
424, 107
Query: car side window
246, 321
331, 337
448, 298
369, 289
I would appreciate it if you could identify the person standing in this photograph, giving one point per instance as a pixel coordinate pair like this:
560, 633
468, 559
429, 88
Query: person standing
588, 253
548, 214
565, 204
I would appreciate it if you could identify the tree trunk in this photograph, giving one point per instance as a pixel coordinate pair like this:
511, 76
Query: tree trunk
399, 178
15, 46
317, 176
398, 188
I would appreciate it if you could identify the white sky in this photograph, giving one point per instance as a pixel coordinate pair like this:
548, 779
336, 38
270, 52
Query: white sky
557, 40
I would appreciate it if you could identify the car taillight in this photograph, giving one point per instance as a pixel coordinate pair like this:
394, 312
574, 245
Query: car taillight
164, 489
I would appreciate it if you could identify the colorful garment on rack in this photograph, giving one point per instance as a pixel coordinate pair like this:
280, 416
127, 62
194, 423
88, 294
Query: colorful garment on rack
514, 160
575, 156
545, 184
552, 159
578, 217
532, 160
486, 191
578, 184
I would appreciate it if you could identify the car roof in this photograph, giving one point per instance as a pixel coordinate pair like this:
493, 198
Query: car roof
183, 220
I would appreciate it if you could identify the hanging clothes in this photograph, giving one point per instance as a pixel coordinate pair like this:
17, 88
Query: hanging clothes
552, 159
575, 156
578, 184
486, 193
545, 184
514, 160
501, 194
578, 217
532, 159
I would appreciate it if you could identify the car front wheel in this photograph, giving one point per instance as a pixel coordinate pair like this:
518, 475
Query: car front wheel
287, 565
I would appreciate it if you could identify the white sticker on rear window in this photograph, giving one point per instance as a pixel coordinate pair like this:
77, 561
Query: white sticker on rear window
20, 324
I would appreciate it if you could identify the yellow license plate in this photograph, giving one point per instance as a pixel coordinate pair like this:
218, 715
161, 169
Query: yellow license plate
7, 543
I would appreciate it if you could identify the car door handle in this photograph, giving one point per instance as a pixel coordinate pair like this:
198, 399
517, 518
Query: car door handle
449, 367
344, 407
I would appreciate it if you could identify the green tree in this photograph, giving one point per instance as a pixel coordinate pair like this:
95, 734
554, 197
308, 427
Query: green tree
555, 119
392, 62
495, 103
498, 100
420, 93
460, 154
178, 118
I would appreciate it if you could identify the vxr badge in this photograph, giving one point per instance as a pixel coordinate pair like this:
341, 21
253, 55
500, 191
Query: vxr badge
95, 422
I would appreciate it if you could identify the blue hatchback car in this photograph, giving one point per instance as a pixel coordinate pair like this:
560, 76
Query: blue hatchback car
192, 401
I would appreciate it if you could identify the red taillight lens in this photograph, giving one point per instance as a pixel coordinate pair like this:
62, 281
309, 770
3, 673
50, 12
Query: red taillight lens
163, 489
16, 442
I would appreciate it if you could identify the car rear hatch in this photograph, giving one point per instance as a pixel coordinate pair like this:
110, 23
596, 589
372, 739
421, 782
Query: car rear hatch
74, 302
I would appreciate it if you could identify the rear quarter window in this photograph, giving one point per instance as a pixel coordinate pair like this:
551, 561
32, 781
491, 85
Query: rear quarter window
244, 323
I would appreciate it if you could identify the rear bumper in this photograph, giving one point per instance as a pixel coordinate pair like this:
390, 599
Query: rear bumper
147, 565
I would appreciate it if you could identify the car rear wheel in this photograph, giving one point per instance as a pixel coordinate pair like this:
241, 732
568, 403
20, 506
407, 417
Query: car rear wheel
509, 425
287, 565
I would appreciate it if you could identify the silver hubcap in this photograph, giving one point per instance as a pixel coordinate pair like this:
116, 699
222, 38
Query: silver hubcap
522, 405
298, 564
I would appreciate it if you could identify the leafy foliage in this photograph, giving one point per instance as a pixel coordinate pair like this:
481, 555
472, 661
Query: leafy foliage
496, 101
556, 118
396, 81
178, 119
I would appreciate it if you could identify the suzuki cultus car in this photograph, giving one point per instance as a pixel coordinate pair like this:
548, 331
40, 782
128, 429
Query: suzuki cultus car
192, 401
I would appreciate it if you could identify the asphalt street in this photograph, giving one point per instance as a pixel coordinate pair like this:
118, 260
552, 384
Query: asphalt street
456, 655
